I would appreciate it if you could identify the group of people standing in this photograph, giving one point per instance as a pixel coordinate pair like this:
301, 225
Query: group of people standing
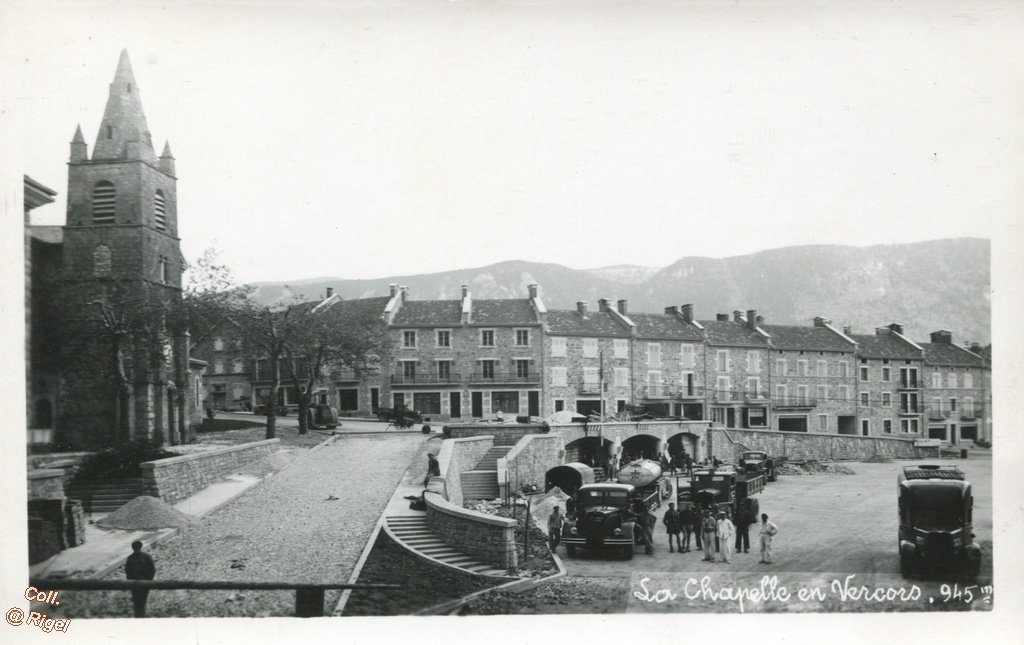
716, 536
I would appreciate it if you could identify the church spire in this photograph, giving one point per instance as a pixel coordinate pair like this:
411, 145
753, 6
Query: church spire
123, 133
79, 150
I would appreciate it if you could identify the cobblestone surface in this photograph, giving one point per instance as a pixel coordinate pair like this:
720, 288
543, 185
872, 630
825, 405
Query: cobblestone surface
308, 523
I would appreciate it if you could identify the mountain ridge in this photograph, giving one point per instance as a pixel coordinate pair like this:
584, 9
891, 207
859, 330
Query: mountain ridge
936, 284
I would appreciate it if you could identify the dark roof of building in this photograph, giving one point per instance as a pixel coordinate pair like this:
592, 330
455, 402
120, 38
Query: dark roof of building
730, 332
597, 323
818, 339
434, 313
667, 326
47, 234
503, 312
885, 346
950, 354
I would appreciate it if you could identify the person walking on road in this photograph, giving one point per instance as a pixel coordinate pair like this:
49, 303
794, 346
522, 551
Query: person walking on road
686, 520
710, 528
726, 530
649, 520
767, 532
743, 522
555, 527
139, 566
433, 468
673, 526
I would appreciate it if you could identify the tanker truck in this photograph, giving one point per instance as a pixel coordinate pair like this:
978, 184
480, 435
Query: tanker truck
649, 486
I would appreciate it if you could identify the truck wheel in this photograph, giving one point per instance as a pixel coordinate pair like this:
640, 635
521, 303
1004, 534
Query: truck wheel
570, 549
906, 567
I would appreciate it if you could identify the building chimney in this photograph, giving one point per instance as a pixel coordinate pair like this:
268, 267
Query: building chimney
942, 336
623, 308
722, 317
847, 330
532, 289
393, 288
688, 313
330, 291
672, 311
821, 322
404, 289
752, 318
603, 304
975, 347
465, 290
581, 308
737, 316
760, 320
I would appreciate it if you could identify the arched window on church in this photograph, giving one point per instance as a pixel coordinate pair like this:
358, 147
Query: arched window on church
101, 262
103, 198
164, 271
160, 211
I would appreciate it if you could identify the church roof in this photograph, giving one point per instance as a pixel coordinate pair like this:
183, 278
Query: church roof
123, 119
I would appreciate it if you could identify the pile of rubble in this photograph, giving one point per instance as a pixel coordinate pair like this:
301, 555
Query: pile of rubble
813, 467
145, 512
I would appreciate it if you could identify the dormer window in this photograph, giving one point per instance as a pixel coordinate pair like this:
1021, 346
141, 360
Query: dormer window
160, 211
103, 198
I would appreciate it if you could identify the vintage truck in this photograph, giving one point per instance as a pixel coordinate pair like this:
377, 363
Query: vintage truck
758, 461
935, 512
725, 489
600, 517
645, 476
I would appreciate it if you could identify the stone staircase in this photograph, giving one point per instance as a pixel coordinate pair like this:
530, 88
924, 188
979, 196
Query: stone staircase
412, 532
106, 496
482, 481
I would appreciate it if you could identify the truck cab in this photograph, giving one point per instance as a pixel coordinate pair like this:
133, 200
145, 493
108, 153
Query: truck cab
758, 461
936, 514
602, 519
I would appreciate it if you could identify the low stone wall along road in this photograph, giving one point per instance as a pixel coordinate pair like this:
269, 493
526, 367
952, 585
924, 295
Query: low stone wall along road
308, 523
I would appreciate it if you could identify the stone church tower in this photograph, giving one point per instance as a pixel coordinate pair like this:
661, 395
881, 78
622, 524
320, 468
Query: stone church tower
123, 376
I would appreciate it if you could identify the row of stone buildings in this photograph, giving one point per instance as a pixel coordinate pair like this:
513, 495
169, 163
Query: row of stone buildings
463, 359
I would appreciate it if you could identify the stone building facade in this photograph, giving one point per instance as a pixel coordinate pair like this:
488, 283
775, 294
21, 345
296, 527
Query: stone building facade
890, 383
736, 370
956, 398
811, 378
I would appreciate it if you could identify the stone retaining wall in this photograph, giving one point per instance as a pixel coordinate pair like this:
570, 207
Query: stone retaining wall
46, 484
505, 434
176, 478
456, 457
486, 537
529, 461
727, 444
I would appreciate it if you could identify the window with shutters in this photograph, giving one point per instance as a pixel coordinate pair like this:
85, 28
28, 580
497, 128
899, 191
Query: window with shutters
688, 357
443, 338
409, 339
723, 360
968, 380
886, 399
654, 354
780, 366
886, 374
589, 348
822, 393
621, 377
801, 368
487, 368
621, 346
444, 370
844, 392
952, 381
591, 378
559, 377
160, 211
821, 369
654, 387
487, 338
103, 199
522, 338
822, 423
754, 362
558, 346
724, 388
522, 368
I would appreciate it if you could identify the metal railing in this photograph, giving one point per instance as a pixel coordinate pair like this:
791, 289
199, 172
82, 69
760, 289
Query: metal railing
795, 402
402, 379
309, 597
505, 377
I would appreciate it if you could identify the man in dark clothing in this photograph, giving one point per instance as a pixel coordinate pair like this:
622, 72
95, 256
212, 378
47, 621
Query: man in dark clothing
649, 520
673, 526
743, 521
697, 523
686, 520
433, 468
139, 566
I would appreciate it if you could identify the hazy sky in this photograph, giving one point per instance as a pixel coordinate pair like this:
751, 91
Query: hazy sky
368, 139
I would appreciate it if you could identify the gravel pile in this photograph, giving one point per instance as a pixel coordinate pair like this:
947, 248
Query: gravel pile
145, 512
814, 468
309, 523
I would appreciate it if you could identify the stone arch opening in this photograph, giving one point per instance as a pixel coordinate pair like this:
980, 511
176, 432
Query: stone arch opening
590, 451
680, 442
640, 446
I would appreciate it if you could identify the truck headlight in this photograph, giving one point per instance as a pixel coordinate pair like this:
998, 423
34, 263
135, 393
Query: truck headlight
573, 531
617, 531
